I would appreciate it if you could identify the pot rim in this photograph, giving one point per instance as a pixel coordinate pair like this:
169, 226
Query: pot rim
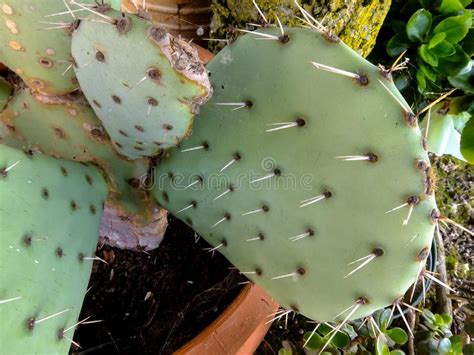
239, 329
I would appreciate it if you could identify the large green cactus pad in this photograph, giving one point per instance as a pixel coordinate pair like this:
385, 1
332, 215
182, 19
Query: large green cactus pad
261, 181
50, 211
146, 101
38, 47
67, 128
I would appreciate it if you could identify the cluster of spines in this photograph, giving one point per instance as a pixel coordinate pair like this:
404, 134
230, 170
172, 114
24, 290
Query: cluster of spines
410, 202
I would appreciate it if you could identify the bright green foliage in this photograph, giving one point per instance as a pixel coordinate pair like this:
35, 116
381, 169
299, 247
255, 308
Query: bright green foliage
50, 213
146, 101
67, 128
36, 47
211, 181
5, 92
374, 336
440, 37
317, 340
436, 337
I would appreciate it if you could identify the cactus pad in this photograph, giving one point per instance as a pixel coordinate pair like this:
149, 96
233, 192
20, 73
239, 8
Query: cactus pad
36, 45
146, 103
67, 128
292, 167
50, 212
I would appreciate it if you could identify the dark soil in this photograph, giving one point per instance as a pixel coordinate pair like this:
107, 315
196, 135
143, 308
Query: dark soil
154, 302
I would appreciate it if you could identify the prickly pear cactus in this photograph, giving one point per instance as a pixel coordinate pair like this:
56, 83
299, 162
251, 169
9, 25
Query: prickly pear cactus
50, 212
307, 171
35, 41
67, 128
146, 103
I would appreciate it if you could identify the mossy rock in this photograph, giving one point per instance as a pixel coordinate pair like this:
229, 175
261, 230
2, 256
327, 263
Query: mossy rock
356, 22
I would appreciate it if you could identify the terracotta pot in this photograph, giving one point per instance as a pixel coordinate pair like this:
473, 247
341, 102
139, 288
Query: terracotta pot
189, 18
204, 55
239, 330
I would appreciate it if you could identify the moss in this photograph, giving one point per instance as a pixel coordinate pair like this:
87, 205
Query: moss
453, 196
453, 189
356, 22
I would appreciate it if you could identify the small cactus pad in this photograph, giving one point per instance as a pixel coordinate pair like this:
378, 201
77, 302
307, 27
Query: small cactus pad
150, 98
67, 128
35, 42
49, 223
292, 167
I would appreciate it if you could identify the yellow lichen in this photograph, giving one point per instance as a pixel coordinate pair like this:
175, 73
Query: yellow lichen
356, 22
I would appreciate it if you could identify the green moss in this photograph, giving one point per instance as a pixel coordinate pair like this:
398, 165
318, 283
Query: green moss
453, 188
357, 22
453, 196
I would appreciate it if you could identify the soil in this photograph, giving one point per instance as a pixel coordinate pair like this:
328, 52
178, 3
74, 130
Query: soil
154, 302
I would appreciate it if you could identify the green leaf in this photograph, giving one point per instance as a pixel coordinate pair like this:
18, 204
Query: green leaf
398, 44
443, 138
444, 346
381, 347
427, 70
421, 81
456, 344
427, 56
397, 352
316, 342
467, 145
383, 318
324, 329
427, 314
448, 6
466, 2
443, 49
398, 335
464, 81
419, 25
285, 351
446, 317
341, 340
437, 38
454, 64
455, 27
439, 320
349, 330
